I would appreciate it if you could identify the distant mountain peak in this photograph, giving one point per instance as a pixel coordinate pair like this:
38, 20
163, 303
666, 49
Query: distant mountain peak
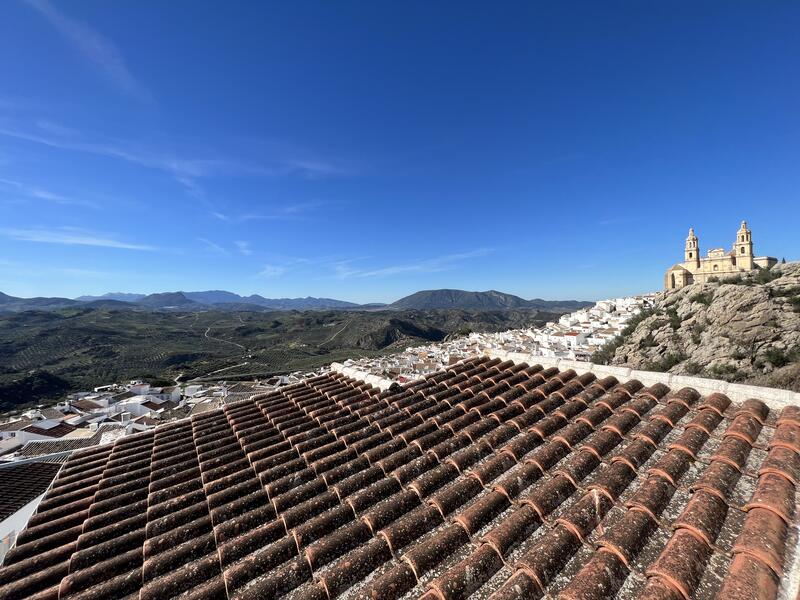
488, 300
120, 296
165, 300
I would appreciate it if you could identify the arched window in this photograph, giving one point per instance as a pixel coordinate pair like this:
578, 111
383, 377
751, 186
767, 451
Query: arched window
742, 252
716, 267
672, 281
690, 255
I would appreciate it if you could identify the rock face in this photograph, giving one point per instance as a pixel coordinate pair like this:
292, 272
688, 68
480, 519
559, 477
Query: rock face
746, 331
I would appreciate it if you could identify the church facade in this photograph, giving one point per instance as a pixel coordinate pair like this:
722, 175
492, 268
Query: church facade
717, 263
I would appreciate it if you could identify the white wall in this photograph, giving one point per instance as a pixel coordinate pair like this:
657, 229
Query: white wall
10, 527
20, 438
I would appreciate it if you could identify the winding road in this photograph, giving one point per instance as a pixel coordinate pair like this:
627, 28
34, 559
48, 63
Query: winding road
211, 337
330, 339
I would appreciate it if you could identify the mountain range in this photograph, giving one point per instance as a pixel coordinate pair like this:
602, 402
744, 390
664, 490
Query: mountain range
223, 300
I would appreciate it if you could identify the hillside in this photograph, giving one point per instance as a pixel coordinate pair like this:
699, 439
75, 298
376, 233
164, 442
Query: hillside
490, 300
745, 330
12, 303
45, 353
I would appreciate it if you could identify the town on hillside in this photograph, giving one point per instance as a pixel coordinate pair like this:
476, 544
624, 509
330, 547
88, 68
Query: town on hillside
576, 335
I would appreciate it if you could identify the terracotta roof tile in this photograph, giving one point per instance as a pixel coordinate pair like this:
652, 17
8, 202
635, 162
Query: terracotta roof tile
488, 478
16, 425
58, 431
21, 483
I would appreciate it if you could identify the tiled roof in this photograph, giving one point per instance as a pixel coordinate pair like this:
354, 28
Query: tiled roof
19, 484
52, 413
58, 431
40, 447
242, 387
59, 458
166, 405
85, 405
233, 397
489, 479
16, 425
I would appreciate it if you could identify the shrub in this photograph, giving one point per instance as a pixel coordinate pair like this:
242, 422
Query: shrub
739, 354
713, 279
697, 332
674, 319
692, 368
604, 355
795, 302
666, 363
778, 357
670, 360
703, 298
785, 292
636, 320
736, 280
766, 275
727, 372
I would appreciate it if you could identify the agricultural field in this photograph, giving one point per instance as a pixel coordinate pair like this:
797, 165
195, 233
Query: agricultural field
44, 354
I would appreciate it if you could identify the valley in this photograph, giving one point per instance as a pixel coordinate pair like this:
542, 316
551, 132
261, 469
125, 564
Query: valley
44, 354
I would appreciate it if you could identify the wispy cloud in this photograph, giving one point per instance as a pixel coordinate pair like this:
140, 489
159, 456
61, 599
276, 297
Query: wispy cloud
186, 171
344, 270
281, 264
212, 246
301, 207
272, 271
38, 193
244, 218
287, 212
95, 48
316, 168
243, 247
71, 237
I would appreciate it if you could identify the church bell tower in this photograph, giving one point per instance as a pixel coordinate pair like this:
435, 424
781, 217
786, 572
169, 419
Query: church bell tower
691, 254
743, 248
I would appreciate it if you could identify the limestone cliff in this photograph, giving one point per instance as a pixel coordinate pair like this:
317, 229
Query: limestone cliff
745, 329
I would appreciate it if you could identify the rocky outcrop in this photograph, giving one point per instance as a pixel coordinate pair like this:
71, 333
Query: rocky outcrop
745, 330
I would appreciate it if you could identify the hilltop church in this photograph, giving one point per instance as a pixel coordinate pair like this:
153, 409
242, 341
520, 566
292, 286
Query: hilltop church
718, 263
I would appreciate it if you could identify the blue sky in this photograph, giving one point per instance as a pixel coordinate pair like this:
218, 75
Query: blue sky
366, 150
